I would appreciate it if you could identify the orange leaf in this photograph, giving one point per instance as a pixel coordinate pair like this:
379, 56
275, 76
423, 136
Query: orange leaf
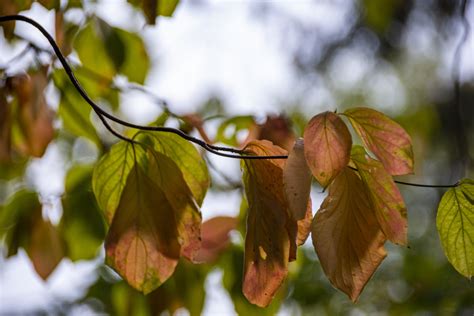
327, 146
346, 235
390, 208
304, 225
268, 241
297, 181
215, 237
142, 243
385, 138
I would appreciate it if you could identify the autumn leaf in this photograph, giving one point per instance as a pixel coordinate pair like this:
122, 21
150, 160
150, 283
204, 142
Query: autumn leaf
215, 237
304, 225
297, 181
347, 236
35, 118
455, 223
390, 208
142, 243
327, 146
385, 138
268, 239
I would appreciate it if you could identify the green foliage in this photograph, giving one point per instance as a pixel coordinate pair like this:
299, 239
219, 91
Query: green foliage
455, 222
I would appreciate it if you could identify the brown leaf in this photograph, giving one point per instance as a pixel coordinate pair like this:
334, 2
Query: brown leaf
276, 129
215, 237
327, 146
46, 247
347, 236
142, 243
304, 225
268, 239
297, 181
385, 138
390, 208
5, 128
35, 117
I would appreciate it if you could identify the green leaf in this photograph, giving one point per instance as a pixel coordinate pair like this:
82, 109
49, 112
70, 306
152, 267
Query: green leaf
229, 129
152, 8
74, 112
110, 176
385, 138
327, 146
390, 208
186, 157
455, 223
136, 62
82, 224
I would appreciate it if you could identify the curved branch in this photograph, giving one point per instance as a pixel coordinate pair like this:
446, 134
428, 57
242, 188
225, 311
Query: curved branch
237, 153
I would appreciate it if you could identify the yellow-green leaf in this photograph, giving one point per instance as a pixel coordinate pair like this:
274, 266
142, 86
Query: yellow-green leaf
327, 146
385, 138
455, 223
390, 208
110, 176
347, 236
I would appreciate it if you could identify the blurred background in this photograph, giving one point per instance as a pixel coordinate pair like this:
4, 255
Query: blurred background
222, 70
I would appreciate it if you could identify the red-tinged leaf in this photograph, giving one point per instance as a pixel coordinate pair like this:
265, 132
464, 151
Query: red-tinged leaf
385, 138
347, 236
168, 177
327, 146
390, 208
142, 243
35, 117
276, 129
269, 226
215, 237
45, 247
297, 181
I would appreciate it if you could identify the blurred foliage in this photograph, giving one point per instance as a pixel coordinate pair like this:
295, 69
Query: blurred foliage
415, 280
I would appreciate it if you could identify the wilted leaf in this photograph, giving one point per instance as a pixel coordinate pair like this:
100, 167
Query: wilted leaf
327, 146
142, 243
297, 181
385, 138
271, 234
455, 223
186, 157
81, 224
304, 225
346, 235
215, 237
390, 208
110, 176
35, 118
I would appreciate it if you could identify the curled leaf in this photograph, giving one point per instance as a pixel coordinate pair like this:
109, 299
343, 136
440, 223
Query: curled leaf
390, 208
327, 146
297, 181
455, 223
268, 240
347, 236
385, 138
